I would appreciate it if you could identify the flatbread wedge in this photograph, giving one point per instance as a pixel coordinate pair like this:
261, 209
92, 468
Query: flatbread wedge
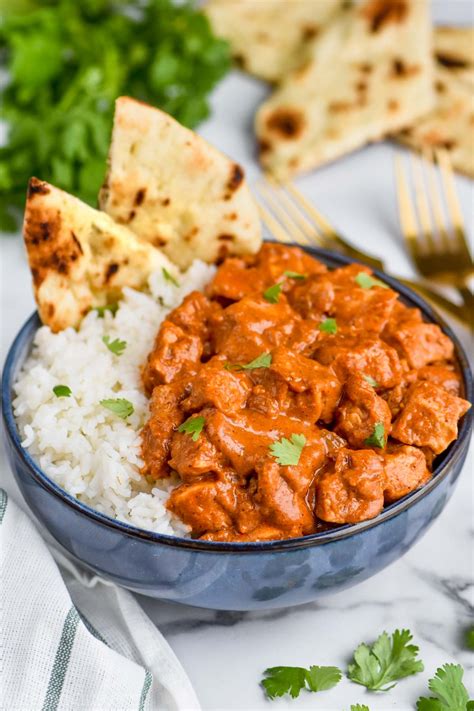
79, 257
368, 74
175, 190
450, 125
269, 38
454, 50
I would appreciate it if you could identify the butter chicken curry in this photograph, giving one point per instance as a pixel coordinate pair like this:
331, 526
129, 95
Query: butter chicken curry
289, 398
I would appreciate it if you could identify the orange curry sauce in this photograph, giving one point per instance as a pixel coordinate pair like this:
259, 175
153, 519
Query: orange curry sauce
372, 388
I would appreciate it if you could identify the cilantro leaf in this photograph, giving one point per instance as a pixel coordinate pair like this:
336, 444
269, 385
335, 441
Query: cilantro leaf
288, 452
359, 707
284, 680
295, 275
116, 346
264, 360
386, 661
371, 381
119, 406
272, 294
169, 277
62, 391
366, 281
291, 680
470, 638
322, 678
113, 308
377, 438
329, 325
193, 426
449, 690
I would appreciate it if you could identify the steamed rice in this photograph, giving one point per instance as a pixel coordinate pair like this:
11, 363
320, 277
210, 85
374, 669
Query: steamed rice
86, 449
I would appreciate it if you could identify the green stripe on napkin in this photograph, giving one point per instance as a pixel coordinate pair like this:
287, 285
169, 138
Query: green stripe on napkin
61, 661
3, 503
145, 690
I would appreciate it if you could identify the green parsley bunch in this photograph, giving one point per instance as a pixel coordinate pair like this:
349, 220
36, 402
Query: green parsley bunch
68, 61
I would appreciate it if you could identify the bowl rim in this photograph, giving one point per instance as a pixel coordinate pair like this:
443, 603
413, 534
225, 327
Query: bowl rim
450, 457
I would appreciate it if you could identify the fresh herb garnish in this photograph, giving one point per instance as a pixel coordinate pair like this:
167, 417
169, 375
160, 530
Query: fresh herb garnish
193, 426
169, 277
380, 666
272, 294
119, 406
329, 325
371, 381
113, 308
291, 680
295, 275
116, 346
287, 452
469, 636
450, 694
367, 282
62, 391
264, 360
377, 438
64, 66
359, 707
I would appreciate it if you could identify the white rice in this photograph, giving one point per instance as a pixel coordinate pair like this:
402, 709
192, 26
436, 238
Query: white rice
86, 449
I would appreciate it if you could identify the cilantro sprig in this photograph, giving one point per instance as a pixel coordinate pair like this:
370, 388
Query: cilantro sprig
295, 275
169, 277
62, 391
377, 438
272, 294
450, 694
378, 667
287, 452
371, 381
65, 63
329, 325
359, 707
119, 406
116, 346
366, 281
264, 360
192, 426
292, 680
113, 308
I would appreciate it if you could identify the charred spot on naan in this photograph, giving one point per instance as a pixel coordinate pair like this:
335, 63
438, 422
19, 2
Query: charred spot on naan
287, 122
380, 13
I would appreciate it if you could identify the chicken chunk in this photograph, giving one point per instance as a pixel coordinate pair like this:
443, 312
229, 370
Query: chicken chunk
430, 417
158, 431
353, 490
313, 297
443, 375
421, 344
201, 505
361, 356
191, 458
214, 385
279, 504
174, 353
361, 410
405, 470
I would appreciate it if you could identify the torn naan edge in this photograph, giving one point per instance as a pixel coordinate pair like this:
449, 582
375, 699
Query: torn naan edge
175, 190
454, 50
370, 73
450, 125
269, 38
79, 257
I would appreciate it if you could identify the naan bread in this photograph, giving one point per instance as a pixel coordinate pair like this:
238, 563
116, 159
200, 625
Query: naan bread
454, 50
79, 257
450, 125
175, 190
368, 74
268, 38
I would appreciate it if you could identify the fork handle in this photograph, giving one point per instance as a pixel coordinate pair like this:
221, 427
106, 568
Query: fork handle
468, 299
459, 312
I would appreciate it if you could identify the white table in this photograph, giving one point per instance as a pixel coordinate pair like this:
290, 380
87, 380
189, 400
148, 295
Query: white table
430, 590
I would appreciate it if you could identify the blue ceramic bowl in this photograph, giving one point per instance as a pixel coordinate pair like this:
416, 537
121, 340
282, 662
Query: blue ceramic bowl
234, 576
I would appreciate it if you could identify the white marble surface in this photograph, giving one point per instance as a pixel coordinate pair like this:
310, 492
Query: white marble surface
431, 590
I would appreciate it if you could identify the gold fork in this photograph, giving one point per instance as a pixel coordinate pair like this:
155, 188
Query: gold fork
440, 252
290, 217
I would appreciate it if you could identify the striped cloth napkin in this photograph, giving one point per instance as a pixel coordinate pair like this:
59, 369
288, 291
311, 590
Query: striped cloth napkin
72, 642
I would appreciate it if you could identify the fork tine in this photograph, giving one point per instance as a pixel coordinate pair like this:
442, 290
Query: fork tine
407, 214
436, 200
293, 230
452, 201
273, 226
323, 225
422, 201
309, 229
